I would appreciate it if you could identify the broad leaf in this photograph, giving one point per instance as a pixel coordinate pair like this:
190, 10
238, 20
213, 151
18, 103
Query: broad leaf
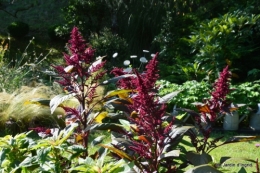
168, 97
42, 154
117, 92
118, 152
198, 159
115, 79
100, 117
57, 100
173, 153
177, 133
38, 101
97, 140
126, 124
191, 112
117, 115
118, 104
29, 161
203, 168
121, 142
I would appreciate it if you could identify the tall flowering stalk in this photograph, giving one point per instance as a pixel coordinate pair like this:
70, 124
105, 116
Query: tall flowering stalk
80, 77
216, 104
150, 136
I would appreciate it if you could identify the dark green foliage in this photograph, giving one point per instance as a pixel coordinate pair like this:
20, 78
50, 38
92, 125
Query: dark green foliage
106, 44
230, 39
188, 17
18, 29
89, 16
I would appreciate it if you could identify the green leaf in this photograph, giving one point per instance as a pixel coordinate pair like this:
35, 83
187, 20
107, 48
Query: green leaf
198, 159
203, 168
242, 170
97, 140
67, 133
3, 152
42, 154
29, 161
125, 124
77, 148
57, 100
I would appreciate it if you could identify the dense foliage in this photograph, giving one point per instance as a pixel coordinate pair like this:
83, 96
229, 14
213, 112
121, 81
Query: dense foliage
139, 125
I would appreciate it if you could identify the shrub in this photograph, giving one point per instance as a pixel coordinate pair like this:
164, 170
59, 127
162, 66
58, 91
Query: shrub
106, 43
230, 39
18, 29
191, 91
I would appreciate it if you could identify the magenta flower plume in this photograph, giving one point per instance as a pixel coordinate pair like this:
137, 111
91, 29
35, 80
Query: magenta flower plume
123, 83
150, 134
216, 104
152, 73
80, 76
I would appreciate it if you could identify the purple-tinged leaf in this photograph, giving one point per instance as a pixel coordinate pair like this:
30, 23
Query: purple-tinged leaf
173, 153
115, 79
198, 159
168, 97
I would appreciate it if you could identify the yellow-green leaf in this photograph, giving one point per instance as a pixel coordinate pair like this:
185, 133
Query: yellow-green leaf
100, 117
118, 152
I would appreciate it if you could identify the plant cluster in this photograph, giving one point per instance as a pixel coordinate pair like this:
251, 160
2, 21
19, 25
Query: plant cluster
23, 69
145, 140
190, 92
106, 44
246, 93
227, 40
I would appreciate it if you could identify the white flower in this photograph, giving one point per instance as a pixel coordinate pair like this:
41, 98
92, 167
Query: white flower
126, 62
115, 55
143, 60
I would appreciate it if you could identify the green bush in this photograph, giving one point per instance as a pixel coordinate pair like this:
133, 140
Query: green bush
106, 43
191, 92
230, 39
18, 29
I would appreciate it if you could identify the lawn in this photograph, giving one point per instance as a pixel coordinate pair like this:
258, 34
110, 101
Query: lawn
246, 150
